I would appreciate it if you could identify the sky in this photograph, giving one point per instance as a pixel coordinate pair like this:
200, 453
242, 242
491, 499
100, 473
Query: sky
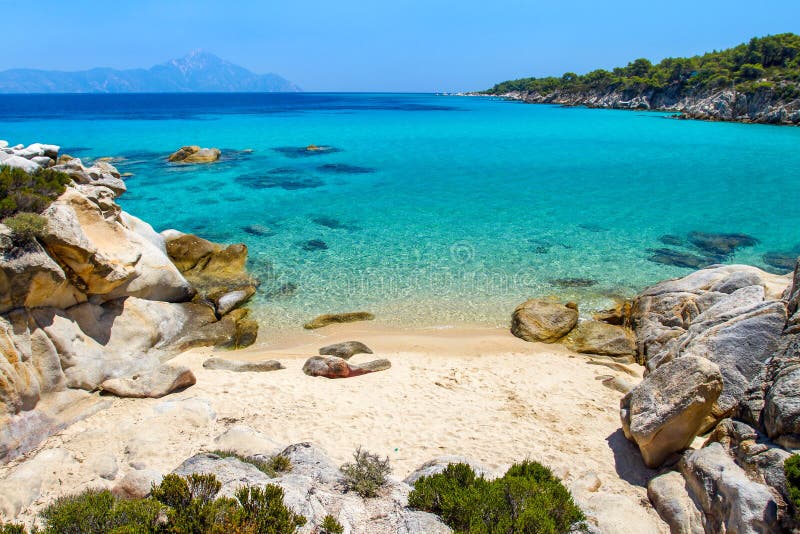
397, 45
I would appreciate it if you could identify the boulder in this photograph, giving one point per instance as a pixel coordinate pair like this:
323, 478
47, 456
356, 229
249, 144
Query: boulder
337, 318
543, 320
225, 364
673, 503
440, 463
665, 412
157, 383
24, 485
231, 472
781, 407
104, 257
730, 500
195, 154
137, 484
30, 278
595, 337
345, 350
18, 162
333, 367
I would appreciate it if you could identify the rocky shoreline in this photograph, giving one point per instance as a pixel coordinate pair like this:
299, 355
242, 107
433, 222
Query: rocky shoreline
763, 106
99, 301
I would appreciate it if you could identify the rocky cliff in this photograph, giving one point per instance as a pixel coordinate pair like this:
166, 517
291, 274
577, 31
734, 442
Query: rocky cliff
98, 301
763, 106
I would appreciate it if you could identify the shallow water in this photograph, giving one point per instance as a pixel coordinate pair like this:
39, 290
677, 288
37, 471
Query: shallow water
432, 210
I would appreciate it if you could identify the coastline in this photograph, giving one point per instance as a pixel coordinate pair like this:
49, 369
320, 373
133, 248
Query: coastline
475, 392
720, 106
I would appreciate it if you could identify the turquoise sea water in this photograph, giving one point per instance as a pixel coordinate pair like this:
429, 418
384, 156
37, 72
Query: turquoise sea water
434, 210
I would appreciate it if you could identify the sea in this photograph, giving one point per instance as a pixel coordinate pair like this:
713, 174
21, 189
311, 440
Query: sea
437, 211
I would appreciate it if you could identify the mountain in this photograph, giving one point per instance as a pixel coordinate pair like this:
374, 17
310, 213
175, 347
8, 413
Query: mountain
197, 72
758, 81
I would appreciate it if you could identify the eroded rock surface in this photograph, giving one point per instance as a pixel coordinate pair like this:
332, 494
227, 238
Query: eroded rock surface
543, 320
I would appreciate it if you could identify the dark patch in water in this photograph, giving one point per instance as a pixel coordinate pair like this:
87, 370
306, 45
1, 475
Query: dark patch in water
289, 289
259, 230
344, 168
334, 224
593, 227
306, 151
721, 245
677, 258
74, 150
284, 178
674, 240
574, 282
785, 261
314, 245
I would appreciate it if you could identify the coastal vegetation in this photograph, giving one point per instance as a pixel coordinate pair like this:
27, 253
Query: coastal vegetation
29, 192
771, 62
178, 505
272, 467
791, 468
366, 473
527, 499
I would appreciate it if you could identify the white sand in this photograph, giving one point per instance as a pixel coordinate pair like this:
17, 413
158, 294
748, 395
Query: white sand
475, 392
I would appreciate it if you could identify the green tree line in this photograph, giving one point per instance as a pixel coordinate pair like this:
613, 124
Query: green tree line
771, 62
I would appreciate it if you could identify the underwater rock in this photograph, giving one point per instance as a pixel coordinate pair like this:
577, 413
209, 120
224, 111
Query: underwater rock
574, 282
259, 230
336, 318
781, 260
284, 290
673, 240
304, 151
329, 222
344, 168
720, 244
668, 256
314, 245
283, 178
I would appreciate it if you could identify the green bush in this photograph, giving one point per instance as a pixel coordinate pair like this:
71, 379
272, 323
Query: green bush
527, 499
100, 512
791, 468
331, 526
20, 191
366, 474
276, 464
177, 505
11, 528
25, 226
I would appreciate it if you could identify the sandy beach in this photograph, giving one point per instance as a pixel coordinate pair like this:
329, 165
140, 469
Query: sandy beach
476, 392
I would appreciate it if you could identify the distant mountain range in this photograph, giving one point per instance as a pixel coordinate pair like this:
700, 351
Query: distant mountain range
197, 72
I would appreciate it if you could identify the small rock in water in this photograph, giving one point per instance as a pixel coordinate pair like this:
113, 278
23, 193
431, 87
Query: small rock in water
673, 240
335, 318
781, 260
574, 282
259, 230
314, 244
345, 349
343, 168
668, 256
720, 244
304, 151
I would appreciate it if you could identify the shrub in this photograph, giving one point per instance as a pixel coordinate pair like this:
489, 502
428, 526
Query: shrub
100, 512
178, 505
276, 464
331, 526
366, 474
25, 226
280, 463
20, 191
11, 528
791, 467
527, 499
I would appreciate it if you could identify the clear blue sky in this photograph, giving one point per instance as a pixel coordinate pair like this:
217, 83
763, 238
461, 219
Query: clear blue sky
395, 45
